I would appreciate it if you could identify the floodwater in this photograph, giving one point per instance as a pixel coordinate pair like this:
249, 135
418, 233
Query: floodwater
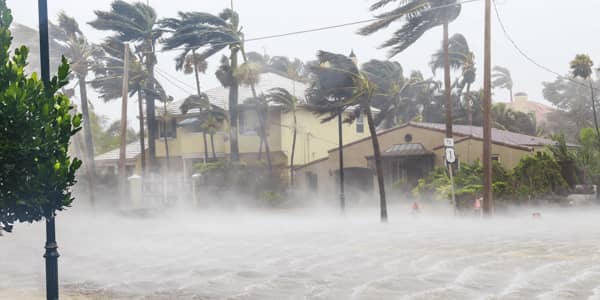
310, 255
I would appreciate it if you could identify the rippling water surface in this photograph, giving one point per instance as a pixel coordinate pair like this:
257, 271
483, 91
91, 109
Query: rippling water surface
307, 255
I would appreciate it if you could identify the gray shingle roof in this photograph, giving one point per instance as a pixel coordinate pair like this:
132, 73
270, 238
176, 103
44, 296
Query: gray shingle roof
132, 151
499, 136
219, 96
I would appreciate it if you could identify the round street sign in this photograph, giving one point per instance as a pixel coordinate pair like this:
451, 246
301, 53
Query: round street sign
450, 155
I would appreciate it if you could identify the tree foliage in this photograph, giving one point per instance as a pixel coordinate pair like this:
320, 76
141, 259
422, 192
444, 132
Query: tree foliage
37, 125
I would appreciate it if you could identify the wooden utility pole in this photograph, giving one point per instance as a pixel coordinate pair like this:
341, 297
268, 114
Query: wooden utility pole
123, 131
447, 83
487, 105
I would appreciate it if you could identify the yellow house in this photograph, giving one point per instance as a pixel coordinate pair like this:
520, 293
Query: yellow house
185, 140
410, 152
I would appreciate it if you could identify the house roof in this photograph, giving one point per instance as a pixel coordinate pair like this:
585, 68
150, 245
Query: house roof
132, 151
219, 96
498, 136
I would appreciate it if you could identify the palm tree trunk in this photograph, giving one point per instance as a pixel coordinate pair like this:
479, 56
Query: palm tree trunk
594, 109
260, 146
212, 146
233, 109
378, 165
165, 139
263, 132
293, 148
511, 96
469, 105
261, 122
89, 141
205, 146
151, 115
142, 144
447, 83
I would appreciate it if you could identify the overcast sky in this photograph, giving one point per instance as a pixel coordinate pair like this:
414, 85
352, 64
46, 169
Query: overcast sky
550, 31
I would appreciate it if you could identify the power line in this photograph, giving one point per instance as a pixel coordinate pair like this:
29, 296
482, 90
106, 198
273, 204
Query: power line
165, 73
322, 28
526, 56
172, 82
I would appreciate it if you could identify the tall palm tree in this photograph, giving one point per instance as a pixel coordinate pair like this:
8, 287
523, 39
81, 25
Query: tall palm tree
211, 33
501, 78
581, 66
82, 56
288, 103
137, 23
460, 57
340, 86
418, 17
108, 81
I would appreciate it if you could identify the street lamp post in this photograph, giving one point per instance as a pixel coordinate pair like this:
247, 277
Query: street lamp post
341, 154
51, 255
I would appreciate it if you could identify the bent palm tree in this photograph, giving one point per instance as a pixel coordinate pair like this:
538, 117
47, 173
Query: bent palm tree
581, 66
460, 57
288, 103
136, 23
418, 16
211, 33
82, 56
210, 119
337, 75
501, 78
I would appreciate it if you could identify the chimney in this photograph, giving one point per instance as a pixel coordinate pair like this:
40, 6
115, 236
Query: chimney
521, 97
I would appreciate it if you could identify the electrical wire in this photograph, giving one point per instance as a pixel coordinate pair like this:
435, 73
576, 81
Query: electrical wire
526, 56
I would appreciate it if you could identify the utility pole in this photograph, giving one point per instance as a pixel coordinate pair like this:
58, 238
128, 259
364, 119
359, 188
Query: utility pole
341, 154
123, 131
488, 206
447, 83
51, 255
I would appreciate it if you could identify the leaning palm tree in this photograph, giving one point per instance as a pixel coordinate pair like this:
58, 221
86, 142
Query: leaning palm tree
211, 33
340, 86
460, 57
136, 23
501, 78
418, 17
581, 66
82, 56
108, 81
288, 104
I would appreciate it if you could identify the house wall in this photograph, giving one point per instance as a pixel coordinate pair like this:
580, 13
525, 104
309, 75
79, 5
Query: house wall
314, 138
470, 150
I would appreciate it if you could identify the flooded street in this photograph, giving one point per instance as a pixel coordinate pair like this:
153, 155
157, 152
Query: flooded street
310, 256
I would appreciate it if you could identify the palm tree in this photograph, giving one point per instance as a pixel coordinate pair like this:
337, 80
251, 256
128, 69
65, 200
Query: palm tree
460, 57
288, 103
136, 23
211, 117
213, 33
82, 56
399, 96
581, 66
260, 105
501, 78
340, 86
108, 81
418, 16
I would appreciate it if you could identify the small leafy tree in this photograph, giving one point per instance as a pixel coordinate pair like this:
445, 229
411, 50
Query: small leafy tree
536, 176
37, 125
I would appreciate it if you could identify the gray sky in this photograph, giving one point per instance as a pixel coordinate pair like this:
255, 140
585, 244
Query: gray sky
550, 31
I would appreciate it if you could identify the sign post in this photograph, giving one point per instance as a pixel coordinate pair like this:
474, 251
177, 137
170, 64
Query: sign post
450, 160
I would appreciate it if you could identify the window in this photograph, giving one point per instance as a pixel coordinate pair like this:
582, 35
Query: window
248, 120
171, 129
408, 138
496, 157
313, 181
360, 123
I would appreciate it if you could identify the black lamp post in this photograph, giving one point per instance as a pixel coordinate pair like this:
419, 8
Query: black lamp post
51, 254
341, 154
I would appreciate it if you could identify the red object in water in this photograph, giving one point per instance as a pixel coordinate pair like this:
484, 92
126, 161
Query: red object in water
477, 204
415, 206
